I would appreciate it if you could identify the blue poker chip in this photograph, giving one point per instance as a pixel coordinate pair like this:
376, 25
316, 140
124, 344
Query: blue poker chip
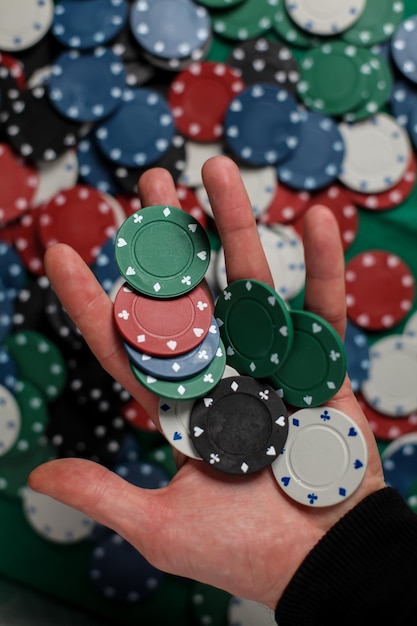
399, 463
184, 365
357, 355
89, 23
94, 168
121, 573
87, 86
142, 474
13, 274
317, 161
170, 29
404, 48
403, 101
262, 125
141, 130
104, 267
8, 368
6, 312
412, 127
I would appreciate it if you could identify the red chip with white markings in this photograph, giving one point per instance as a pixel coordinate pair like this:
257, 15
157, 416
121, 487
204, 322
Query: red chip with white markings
385, 427
190, 203
20, 182
380, 289
136, 416
287, 205
163, 327
392, 197
342, 207
200, 96
80, 217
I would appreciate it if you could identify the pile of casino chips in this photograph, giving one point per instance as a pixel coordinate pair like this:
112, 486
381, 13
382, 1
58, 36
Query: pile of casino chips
224, 372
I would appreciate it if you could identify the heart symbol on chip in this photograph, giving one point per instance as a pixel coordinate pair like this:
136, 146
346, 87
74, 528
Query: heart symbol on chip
358, 464
230, 351
317, 328
284, 331
121, 242
198, 431
172, 344
177, 436
202, 255
272, 301
352, 432
308, 400
280, 421
198, 332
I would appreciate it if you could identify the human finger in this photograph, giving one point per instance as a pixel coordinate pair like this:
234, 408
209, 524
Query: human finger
235, 221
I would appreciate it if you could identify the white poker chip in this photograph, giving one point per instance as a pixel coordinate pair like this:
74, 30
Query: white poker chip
377, 154
243, 612
284, 252
196, 154
53, 520
391, 384
10, 420
324, 459
260, 183
325, 17
410, 328
24, 23
174, 417
54, 176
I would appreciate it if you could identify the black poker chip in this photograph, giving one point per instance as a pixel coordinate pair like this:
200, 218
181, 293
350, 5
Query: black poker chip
263, 61
29, 306
92, 387
241, 427
61, 324
85, 433
36, 131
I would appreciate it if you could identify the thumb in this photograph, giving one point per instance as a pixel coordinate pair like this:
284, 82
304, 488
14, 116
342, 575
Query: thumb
103, 496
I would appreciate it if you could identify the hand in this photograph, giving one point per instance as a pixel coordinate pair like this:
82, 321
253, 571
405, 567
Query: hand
242, 535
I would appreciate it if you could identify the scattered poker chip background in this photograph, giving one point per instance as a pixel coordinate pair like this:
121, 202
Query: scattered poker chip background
356, 154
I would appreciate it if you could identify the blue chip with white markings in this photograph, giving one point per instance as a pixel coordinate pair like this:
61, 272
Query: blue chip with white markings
142, 474
357, 355
262, 125
104, 267
13, 274
89, 23
183, 365
404, 48
94, 168
399, 463
8, 369
87, 86
170, 29
318, 159
141, 130
120, 573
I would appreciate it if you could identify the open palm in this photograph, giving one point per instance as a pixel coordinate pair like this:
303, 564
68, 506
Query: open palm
242, 534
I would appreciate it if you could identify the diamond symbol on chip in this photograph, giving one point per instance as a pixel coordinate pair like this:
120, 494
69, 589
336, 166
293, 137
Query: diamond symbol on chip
244, 467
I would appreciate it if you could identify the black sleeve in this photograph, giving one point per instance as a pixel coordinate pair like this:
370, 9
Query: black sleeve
363, 571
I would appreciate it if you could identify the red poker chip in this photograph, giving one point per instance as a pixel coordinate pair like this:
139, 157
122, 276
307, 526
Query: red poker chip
379, 289
384, 427
392, 197
163, 327
80, 217
200, 96
287, 206
20, 182
15, 68
129, 203
136, 416
189, 203
346, 213
27, 243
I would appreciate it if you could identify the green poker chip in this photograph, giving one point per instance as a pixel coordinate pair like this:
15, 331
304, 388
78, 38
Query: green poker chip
34, 418
334, 79
255, 326
288, 30
380, 87
188, 388
209, 605
15, 469
162, 251
316, 366
376, 24
39, 361
247, 20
